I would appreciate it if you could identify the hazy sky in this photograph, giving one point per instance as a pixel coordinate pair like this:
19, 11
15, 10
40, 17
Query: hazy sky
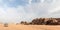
26, 10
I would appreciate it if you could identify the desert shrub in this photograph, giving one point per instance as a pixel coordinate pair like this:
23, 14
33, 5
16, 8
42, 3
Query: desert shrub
6, 25
24, 22
43, 21
52, 22
37, 21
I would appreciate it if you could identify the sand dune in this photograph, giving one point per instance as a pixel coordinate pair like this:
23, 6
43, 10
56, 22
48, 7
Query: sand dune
29, 27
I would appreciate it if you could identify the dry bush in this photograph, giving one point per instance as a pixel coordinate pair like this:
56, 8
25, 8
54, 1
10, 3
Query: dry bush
38, 21
6, 25
24, 22
43, 21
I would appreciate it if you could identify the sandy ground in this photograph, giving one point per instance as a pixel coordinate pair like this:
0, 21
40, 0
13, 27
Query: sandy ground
29, 27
